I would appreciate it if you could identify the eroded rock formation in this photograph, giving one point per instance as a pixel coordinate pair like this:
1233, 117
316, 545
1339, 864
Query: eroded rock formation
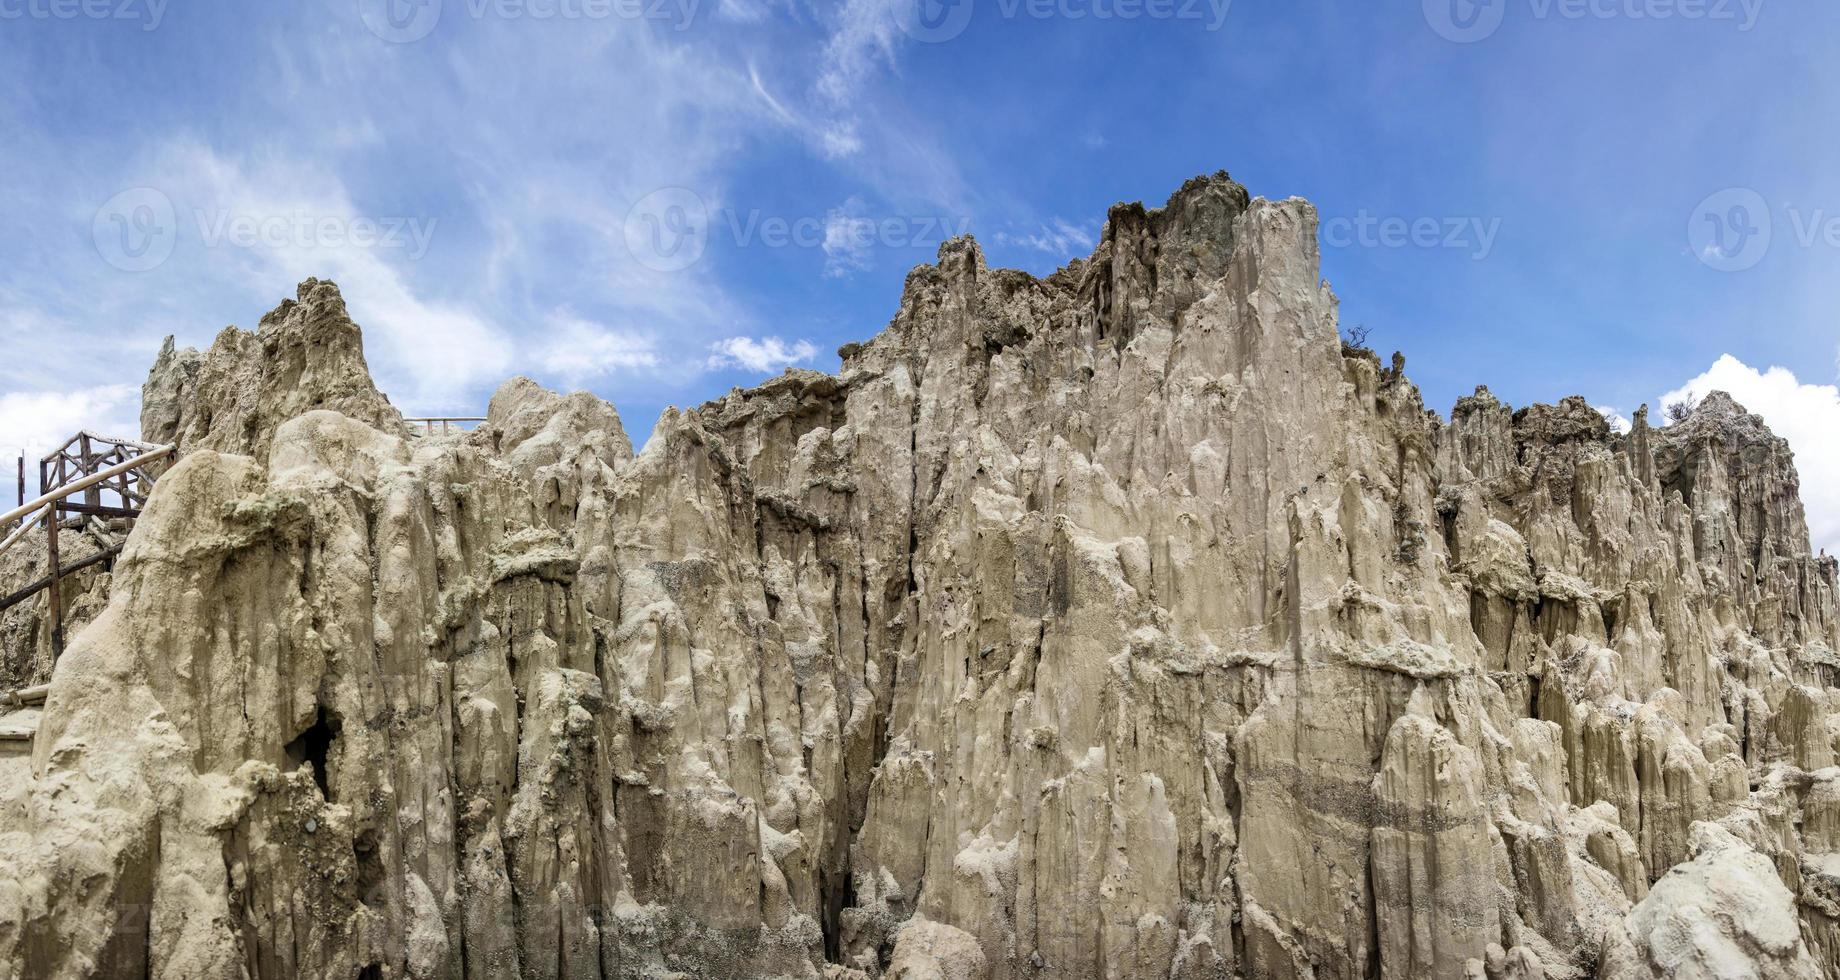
1117, 624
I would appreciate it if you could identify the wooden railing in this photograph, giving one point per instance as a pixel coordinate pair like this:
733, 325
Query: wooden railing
50, 506
41, 505
88, 453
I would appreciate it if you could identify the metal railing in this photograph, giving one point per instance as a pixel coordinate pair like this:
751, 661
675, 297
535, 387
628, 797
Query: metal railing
445, 421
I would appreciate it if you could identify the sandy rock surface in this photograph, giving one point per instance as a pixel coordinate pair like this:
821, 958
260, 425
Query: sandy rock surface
1119, 624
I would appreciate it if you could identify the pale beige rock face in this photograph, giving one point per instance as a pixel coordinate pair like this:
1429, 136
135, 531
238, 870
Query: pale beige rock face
1119, 624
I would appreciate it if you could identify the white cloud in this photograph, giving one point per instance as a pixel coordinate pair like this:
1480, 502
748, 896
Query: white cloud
1059, 237
765, 354
426, 353
34, 423
837, 139
520, 234
1806, 415
849, 235
577, 350
1619, 423
515, 234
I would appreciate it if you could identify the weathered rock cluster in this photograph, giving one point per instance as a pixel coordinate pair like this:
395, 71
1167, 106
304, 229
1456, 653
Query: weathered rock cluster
1117, 624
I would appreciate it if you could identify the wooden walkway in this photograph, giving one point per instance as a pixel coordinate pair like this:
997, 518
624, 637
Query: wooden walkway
19, 713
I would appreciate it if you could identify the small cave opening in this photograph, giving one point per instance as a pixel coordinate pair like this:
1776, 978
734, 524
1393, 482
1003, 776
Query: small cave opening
314, 746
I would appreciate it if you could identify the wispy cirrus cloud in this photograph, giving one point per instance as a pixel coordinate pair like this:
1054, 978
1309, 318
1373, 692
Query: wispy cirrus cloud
862, 42
521, 264
1058, 237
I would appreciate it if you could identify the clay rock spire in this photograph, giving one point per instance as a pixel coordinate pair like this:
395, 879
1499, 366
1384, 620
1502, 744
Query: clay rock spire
306, 355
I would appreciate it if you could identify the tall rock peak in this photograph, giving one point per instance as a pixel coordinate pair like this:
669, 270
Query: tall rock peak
306, 355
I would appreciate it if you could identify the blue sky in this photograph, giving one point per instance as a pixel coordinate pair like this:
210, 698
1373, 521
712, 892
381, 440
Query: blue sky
657, 200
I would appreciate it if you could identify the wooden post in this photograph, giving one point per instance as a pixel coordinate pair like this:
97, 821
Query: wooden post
22, 479
57, 597
92, 496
